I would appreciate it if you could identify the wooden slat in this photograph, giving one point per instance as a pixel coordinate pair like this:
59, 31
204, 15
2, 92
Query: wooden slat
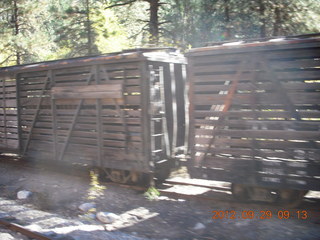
237, 152
264, 134
267, 114
208, 58
83, 112
6, 88
284, 49
132, 100
84, 92
300, 86
249, 124
265, 144
128, 82
133, 126
220, 66
228, 76
261, 98
9, 103
236, 165
27, 74
7, 83
274, 113
87, 119
9, 143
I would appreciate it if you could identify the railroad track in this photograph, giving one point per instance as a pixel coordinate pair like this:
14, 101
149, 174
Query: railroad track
221, 200
17, 228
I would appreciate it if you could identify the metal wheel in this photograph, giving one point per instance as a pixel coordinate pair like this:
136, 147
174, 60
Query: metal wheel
145, 179
162, 172
290, 198
240, 192
128, 177
117, 176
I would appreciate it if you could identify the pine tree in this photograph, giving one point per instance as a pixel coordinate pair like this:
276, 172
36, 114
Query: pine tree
73, 29
24, 36
153, 21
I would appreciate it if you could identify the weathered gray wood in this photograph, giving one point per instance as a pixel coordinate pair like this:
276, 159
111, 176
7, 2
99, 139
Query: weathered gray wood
274, 113
267, 86
134, 100
46, 82
106, 132
74, 119
84, 92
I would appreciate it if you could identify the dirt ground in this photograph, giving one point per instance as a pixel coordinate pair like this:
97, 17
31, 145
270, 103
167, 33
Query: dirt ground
160, 217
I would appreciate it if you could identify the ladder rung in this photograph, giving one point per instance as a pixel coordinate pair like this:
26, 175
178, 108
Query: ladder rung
157, 135
158, 150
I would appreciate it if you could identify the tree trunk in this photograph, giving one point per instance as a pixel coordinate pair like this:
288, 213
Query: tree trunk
277, 22
16, 29
227, 34
88, 23
154, 21
262, 9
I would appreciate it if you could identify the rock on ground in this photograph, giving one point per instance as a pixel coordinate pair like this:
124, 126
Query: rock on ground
55, 225
24, 194
107, 217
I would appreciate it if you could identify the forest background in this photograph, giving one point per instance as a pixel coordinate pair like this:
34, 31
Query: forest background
41, 30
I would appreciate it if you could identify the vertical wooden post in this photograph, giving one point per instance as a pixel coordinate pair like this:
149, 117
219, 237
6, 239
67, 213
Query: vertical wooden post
4, 106
174, 108
145, 115
99, 119
123, 111
54, 129
54, 121
164, 119
186, 107
17, 77
191, 97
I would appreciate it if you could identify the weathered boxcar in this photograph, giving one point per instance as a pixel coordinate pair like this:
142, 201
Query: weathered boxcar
255, 116
123, 112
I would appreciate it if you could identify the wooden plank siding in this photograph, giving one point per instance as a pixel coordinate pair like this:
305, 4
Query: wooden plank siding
90, 111
9, 138
79, 138
267, 132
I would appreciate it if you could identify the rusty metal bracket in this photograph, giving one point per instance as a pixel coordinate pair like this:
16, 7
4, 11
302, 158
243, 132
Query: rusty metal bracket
227, 104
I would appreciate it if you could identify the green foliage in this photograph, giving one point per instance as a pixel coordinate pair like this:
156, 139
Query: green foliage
152, 193
96, 189
73, 28
193, 22
111, 36
23, 39
33, 31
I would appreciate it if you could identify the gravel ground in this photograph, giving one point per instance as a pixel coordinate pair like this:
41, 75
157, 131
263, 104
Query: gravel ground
59, 195
54, 225
6, 234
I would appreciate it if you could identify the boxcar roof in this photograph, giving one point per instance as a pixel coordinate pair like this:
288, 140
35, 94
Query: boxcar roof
277, 43
152, 54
